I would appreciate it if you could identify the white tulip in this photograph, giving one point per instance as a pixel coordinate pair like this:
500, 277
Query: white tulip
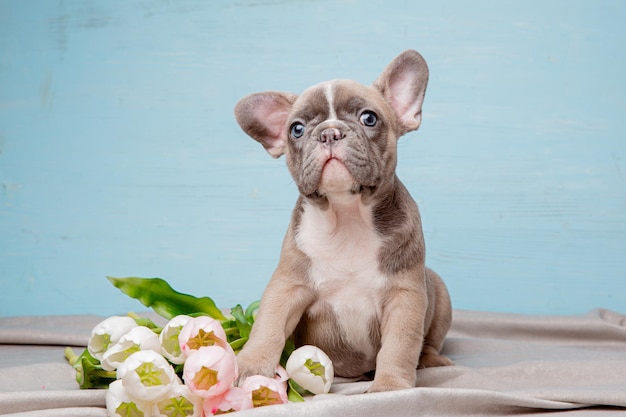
120, 404
107, 333
169, 339
179, 402
147, 376
311, 368
137, 339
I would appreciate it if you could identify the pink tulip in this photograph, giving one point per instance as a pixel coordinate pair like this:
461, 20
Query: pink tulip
201, 332
210, 371
235, 399
281, 375
265, 391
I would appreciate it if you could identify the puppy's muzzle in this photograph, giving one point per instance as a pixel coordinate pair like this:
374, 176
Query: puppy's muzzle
330, 136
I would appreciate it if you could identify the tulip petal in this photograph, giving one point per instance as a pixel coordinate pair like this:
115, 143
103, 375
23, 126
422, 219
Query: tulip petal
137, 339
265, 391
169, 339
235, 399
120, 404
181, 402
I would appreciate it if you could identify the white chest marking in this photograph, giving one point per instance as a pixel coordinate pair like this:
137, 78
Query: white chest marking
343, 247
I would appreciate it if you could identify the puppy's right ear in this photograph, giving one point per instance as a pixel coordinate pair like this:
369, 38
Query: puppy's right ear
263, 116
403, 83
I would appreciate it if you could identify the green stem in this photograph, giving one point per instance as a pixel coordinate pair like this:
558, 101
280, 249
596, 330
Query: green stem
104, 374
231, 330
70, 355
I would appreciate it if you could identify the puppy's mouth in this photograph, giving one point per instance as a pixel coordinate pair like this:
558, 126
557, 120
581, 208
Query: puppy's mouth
336, 178
332, 159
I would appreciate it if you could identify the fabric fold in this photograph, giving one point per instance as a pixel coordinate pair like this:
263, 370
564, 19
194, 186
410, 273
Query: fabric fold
27, 401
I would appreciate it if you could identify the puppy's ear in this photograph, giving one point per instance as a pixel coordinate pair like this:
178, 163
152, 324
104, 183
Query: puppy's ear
403, 83
263, 116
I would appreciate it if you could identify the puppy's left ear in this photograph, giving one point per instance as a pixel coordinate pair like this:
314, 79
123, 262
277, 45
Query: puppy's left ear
403, 83
263, 116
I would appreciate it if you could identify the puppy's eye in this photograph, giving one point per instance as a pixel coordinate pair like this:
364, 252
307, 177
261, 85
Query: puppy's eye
296, 130
368, 118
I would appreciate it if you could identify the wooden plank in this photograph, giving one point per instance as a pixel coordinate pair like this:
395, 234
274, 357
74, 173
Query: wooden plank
119, 154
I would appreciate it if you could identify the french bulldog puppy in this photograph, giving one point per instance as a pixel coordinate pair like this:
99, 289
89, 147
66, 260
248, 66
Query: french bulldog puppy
351, 278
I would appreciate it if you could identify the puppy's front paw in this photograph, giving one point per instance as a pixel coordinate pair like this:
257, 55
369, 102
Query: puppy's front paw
433, 360
249, 365
390, 383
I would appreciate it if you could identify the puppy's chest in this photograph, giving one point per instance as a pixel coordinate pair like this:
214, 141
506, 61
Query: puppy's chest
343, 246
342, 241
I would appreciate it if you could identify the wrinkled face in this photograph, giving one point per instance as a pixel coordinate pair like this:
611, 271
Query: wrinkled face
341, 138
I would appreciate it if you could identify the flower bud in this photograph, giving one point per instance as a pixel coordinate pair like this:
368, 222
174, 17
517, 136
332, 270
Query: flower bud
147, 376
311, 368
210, 371
120, 404
265, 391
179, 402
107, 333
201, 332
169, 339
137, 339
235, 399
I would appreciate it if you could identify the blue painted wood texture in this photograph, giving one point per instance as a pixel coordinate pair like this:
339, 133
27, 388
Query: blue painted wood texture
119, 154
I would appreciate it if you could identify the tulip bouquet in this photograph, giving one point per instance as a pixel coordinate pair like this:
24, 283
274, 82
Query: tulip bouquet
188, 367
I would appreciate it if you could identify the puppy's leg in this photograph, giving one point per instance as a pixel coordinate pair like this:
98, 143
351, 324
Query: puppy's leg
402, 334
439, 326
282, 306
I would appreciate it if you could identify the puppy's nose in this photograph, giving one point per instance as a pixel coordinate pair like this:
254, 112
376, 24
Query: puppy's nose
330, 135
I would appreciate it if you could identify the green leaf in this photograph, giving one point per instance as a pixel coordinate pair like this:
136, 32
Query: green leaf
293, 392
179, 370
163, 299
290, 346
242, 323
252, 310
146, 322
230, 328
238, 344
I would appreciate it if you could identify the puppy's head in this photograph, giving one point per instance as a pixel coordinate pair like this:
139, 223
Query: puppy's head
340, 136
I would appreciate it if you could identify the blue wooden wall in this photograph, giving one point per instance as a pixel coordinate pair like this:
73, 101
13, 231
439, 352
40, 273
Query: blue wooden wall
119, 153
